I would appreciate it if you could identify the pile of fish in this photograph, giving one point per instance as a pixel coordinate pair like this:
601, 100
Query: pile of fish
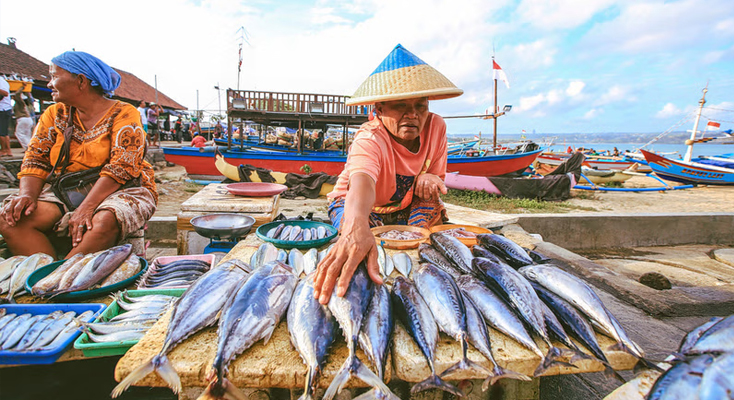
28, 333
300, 262
397, 234
178, 273
703, 364
294, 233
15, 271
87, 271
460, 233
138, 314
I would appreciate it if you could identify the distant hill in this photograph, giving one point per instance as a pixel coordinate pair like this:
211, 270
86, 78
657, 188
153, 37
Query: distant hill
611, 137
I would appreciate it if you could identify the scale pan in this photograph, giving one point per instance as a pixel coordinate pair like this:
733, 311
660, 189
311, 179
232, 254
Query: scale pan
222, 226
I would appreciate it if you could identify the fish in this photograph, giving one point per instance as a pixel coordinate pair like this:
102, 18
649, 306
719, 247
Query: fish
69, 331
321, 231
25, 269
53, 330
121, 336
5, 319
98, 269
376, 332
250, 315
413, 313
538, 258
296, 260
515, 255
403, 263
52, 280
312, 331
478, 336
282, 256
682, 380
382, 260
576, 325
583, 297
184, 262
454, 250
265, 254
692, 337
349, 312
109, 327
127, 269
198, 307
12, 325
20, 330
306, 234
445, 302
717, 381
558, 333
73, 271
719, 338
34, 331
285, 232
8, 266
294, 233
310, 261
481, 251
274, 232
429, 254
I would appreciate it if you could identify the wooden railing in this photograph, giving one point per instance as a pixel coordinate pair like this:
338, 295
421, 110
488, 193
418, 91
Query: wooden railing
250, 100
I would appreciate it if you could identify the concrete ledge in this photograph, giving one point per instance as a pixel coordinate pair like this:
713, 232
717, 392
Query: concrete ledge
591, 231
161, 228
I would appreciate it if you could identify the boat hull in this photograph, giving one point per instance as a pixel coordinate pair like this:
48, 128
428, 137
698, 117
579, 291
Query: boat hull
556, 159
687, 172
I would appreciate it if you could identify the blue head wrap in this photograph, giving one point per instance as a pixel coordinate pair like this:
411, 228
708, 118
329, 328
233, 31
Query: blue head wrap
99, 73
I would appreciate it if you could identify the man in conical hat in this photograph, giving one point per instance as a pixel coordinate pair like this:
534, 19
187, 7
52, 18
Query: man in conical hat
395, 169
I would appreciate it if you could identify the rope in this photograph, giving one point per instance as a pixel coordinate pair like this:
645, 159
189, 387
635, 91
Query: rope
685, 119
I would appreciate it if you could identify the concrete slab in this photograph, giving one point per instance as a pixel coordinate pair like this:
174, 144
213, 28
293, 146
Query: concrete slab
471, 216
725, 256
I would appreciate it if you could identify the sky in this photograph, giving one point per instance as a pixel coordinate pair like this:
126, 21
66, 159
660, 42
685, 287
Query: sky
574, 66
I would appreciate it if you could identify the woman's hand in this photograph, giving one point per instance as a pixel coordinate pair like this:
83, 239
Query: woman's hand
429, 187
79, 223
21, 205
355, 243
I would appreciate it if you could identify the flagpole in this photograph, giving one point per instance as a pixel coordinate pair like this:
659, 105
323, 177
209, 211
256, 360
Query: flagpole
689, 152
494, 148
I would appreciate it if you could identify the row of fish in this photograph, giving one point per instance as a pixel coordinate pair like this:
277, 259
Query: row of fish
15, 271
138, 315
178, 273
28, 333
300, 262
294, 233
397, 234
86, 271
704, 365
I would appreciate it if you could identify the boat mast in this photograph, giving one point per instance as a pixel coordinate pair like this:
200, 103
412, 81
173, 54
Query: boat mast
494, 144
689, 152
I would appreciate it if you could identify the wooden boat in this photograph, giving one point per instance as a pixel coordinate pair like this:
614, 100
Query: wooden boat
696, 171
595, 162
597, 177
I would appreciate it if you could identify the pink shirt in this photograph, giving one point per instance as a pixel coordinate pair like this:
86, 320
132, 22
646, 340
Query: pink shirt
392, 166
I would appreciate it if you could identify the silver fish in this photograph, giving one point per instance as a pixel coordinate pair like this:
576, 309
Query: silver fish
718, 338
197, 308
349, 312
682, 380
285, 232
8, 266
68, 331
20, 331
692, 337
12, 325
249, 316
444, 299
312, 330
52, 280
5, 319
265, 254
297, 261
510, 251
282, 256
306, 234
403, 263
377, 330
34, 331
103, 265
74, 270
53, 330
121, 336
454, 250
105, 328
429, 254
717, 381
25, 269
310, 261
413, 312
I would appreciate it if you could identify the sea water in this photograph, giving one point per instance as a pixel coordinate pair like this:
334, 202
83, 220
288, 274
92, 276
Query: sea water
674, 151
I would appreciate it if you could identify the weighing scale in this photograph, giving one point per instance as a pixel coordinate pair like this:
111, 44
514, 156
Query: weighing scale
222, 230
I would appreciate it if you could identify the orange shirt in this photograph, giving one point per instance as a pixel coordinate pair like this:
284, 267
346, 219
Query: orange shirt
392, 166
198, 141
117, 141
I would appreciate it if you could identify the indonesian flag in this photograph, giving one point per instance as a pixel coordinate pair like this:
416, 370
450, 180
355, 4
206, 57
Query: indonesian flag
498, 73
713, 126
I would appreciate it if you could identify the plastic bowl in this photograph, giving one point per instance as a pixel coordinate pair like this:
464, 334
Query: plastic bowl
301, 244
471, 228
400, 244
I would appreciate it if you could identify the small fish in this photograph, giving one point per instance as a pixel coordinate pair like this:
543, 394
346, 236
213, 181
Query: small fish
692, 337
295, 232
403, 263
321, 231
20, 331
127, 269
297, 261
306, 234
8, 266
25, 269
454, 250
285, 232
515, 255
34, 331
310, 261
282, 256
73, 271
52, 280
12, 325
69, 331
5, 319
121, 336
429, 254
53, 330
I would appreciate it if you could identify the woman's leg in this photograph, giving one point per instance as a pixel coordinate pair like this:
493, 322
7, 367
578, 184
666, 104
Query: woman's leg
103, 235
28, 236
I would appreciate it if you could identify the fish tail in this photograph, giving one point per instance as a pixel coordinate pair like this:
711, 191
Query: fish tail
353, 366
578, 355
434, 382
160, 365
464, 364
340, 379
224, 390
645, 364
550, 360
610, 373
501, 373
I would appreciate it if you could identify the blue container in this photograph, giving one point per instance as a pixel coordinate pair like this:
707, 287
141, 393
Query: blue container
49, 356
263, 230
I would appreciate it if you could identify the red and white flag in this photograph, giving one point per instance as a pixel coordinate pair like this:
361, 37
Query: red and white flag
498, 73
713, 126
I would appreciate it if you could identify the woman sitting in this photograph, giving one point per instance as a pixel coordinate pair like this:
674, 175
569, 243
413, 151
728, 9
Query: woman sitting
395, 168
104, 133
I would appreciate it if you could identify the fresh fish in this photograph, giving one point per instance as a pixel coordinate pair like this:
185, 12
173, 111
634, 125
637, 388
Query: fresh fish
478, 336
306, 234
296, 260
148, 297
576, 325
34, 331
155, 279
20, 330
265, 254
515, 255
274, 232
151, 303
8, 266
97, 270
25, 269
173, 283
105, 328
250, 315
197, 308
128, 269
68, 331
403, 263
693, 336
121, 336
294, 233
282, 256
717, 339
314, 234
583, 297
382, 260
417, 319
285, 232
376, 331
539, 258
718, 380
312, 329
321, 231
5, 319
429, 254
182, 263
682, 380
12, 325
52, 330
444, 299
349, 312
454, 250
558, 333
310, 261
73, 271
480, 251
52, 280
137, 314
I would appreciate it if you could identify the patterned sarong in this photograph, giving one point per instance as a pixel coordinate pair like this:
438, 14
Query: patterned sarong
421, 213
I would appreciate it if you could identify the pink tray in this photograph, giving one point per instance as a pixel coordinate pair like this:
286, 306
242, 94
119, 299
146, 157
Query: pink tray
256, 189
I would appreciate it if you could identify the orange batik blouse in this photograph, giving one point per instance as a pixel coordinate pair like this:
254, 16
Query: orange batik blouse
117, 142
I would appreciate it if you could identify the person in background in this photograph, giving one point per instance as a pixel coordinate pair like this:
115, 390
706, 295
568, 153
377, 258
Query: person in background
153, 112
167, 126
23, 119
198, 140
615, 152
178, 129
143, 116
105, 133
6, 112
395, 168
218, 129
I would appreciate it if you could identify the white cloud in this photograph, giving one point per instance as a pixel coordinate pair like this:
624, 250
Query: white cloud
326, 15
593, 113
530, 102
533, 55
574, 88
560, 14
668, 110
614, 94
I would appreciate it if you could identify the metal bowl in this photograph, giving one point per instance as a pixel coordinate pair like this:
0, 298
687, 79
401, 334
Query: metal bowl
222, 226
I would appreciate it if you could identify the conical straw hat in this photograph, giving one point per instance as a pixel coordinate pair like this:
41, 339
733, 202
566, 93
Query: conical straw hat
402, 75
